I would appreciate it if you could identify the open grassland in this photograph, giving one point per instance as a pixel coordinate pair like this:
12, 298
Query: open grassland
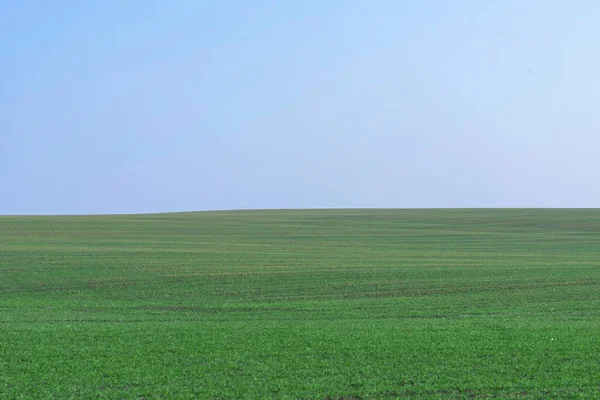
304, 304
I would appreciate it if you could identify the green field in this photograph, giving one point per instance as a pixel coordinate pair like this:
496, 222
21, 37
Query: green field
302, 304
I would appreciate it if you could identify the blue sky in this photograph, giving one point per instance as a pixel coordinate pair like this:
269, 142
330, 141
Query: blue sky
139, 106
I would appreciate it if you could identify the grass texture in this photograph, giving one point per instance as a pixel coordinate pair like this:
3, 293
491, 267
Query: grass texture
302, 304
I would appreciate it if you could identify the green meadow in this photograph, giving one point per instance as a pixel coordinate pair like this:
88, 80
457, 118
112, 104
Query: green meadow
302, 304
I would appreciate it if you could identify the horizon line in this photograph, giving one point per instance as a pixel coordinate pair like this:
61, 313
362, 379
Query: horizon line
292, 209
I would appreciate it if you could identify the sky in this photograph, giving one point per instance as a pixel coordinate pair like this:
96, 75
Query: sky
145, 106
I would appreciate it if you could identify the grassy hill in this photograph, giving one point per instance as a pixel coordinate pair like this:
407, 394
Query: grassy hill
310, 304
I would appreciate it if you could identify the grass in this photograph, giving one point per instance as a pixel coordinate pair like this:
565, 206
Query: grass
308, 304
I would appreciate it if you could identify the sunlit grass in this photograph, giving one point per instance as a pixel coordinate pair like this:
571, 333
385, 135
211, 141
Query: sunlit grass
302, 304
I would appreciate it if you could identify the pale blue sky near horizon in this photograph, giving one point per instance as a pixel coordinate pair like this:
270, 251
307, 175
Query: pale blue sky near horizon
149, 106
